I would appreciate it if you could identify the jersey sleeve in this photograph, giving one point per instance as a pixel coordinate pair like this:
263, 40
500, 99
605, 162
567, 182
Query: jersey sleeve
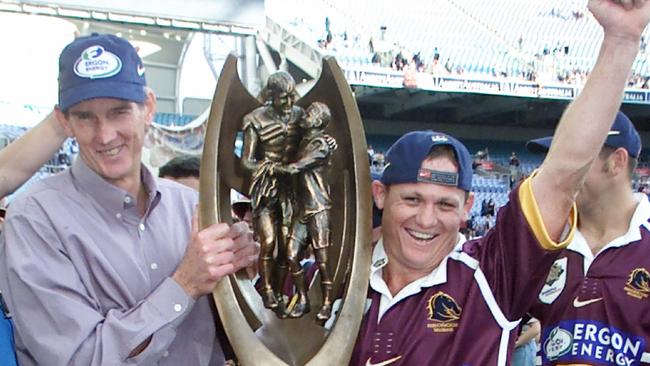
517, 253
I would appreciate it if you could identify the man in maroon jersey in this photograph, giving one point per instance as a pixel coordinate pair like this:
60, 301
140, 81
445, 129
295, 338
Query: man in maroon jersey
593, 304
438, 300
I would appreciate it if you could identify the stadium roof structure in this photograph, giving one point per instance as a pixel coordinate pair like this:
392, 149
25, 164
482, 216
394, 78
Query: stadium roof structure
162, 30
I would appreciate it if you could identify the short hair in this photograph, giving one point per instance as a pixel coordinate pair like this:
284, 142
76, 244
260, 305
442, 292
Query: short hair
181, 167
443, 151
278, 82
322, 113
632, 162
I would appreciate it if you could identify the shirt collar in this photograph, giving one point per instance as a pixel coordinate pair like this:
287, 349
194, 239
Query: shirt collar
633, 234
437, 276
108, 195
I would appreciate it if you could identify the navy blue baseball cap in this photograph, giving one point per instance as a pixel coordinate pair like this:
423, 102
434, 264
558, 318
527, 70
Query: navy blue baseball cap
404, 158
100, 66
622, 134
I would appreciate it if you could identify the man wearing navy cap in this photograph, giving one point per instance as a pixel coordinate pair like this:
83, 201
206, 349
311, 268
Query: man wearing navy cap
593, 305
104, 264
436, 299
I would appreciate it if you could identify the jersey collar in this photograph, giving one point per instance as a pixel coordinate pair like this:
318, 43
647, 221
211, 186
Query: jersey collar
437, 276
639, 219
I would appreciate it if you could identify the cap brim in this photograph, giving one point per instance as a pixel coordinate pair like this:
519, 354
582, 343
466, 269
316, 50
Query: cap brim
101, 89
540, 145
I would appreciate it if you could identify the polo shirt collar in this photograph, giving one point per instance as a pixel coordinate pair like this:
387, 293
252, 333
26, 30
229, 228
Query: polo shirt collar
437, 276
639, 218
108, 195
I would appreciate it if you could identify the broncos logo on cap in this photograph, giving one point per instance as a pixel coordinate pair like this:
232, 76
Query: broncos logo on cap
554, 274
443, 308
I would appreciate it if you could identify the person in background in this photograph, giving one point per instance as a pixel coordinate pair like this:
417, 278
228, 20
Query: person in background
600, 283
184, 169
241, 208
526, 344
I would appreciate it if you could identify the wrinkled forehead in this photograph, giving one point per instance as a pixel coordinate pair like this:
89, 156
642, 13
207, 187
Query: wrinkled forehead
100, 105
431, 192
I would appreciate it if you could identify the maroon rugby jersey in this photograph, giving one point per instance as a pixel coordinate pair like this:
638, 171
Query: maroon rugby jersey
595, 309
466, 310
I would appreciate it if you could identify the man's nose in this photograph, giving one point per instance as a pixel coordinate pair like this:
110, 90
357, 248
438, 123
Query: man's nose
426, 216
105, 131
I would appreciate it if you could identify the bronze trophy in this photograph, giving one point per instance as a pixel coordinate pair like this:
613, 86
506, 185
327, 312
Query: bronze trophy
304, 164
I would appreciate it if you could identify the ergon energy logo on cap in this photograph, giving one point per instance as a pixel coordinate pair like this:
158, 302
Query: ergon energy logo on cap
96, 63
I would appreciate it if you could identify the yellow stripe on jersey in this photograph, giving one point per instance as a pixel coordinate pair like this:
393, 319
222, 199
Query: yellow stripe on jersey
534, 218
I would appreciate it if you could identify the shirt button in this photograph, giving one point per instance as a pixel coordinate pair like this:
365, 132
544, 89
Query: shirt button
154, 266
166, 353
141, 227
118, 215
127, 199
178, 308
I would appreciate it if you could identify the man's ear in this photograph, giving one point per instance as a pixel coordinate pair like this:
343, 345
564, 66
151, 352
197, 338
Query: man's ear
63, 121
467, 207
617, 161
149, 106
379, 191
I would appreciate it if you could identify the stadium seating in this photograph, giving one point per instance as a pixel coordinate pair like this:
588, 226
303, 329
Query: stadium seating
172, 119
509, 37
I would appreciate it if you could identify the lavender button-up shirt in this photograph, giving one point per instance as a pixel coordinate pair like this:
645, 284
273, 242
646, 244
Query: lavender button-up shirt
87, 279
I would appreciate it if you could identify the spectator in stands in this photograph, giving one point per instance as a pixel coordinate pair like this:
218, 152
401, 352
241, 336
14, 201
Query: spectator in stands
515, 171
105, 264
484, 207
514, 160
377, 165
470, 226
183, 169
484, 224
645, 189
491, 207
430, 291
25, 156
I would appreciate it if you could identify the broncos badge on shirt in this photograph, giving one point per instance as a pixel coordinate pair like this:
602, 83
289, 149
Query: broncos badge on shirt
444, 311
